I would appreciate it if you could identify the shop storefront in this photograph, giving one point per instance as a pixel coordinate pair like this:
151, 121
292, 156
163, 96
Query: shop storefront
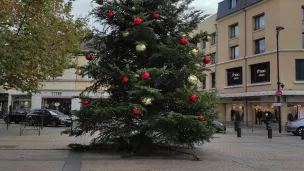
21, 102
295, 105
248, 107
61, 104
64, 101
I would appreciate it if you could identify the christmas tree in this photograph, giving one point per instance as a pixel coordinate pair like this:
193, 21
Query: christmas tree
149, 64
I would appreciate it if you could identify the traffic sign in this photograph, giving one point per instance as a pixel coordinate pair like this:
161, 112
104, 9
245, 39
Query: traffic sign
279, 93
277, 104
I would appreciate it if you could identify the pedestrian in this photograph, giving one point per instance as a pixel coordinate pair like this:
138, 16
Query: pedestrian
259, 117
237, 120
267, 119
232, 114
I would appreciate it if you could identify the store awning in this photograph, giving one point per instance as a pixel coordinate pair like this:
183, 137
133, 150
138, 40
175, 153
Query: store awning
263, 93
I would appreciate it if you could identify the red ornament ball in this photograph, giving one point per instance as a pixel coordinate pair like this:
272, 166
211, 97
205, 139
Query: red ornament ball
99, 13
156, 15
137, 21
110, 14
207, 60
201, 118
125, 80
85, 102
193, 98
145, 75
183, 41
88, 56
136, 111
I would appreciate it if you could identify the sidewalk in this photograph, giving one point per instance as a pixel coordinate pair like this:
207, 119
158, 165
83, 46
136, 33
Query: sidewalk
252, 152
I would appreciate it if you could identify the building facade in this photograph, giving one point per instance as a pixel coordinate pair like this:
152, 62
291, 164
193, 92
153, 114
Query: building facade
244, 73
55, 94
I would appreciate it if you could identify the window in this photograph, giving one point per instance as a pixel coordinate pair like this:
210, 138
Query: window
204, 44
204, 84
212, 57
213, 39
213, 80
259, 46
259, 22
303, 14
260, 72
234, 76
232, 3
300, 69
302, 40
234, 31
235, 52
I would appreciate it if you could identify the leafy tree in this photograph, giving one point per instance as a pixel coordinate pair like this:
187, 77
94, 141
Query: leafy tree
37, 38
149, 63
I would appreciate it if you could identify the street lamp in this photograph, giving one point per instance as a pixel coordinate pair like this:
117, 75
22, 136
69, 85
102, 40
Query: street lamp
278, 29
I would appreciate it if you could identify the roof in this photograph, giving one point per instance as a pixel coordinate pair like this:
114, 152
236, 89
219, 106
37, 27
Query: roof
223, 9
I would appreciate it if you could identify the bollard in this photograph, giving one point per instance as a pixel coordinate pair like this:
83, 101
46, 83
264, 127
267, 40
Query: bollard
239, 132
302, 134
270, 133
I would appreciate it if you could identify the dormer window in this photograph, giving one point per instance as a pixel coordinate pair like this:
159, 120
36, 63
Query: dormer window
232, 3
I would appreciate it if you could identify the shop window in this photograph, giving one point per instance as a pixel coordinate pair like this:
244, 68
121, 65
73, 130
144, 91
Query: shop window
260, 72
213, 81
300, 69
234, 76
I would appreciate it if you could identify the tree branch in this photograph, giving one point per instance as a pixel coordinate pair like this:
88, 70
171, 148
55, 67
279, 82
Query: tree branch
23, 20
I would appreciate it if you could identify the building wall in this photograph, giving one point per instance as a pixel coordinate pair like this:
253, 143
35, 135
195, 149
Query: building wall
67, 86
276, 13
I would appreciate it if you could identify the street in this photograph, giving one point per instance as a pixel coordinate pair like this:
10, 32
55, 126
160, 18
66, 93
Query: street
49, 152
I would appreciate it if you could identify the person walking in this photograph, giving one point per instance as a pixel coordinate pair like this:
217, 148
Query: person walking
259, 117
237, 120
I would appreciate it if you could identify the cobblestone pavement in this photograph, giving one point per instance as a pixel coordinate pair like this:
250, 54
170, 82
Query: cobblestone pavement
253, 152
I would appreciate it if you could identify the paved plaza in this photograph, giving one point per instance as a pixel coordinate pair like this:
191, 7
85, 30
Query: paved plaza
49, 152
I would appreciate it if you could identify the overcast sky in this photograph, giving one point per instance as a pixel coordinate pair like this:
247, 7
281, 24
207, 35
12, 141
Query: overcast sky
82, 7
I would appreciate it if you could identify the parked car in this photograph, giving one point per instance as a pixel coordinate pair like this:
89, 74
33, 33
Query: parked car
50, 117
219, 126
295, 127
16, 116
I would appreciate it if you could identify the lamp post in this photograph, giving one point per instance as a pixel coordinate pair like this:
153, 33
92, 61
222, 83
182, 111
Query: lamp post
278, 29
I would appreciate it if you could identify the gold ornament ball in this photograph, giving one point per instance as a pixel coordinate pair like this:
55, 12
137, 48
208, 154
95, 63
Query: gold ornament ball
194, 52
147, 101
140, 48
208, 38
192, 79
133, 8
